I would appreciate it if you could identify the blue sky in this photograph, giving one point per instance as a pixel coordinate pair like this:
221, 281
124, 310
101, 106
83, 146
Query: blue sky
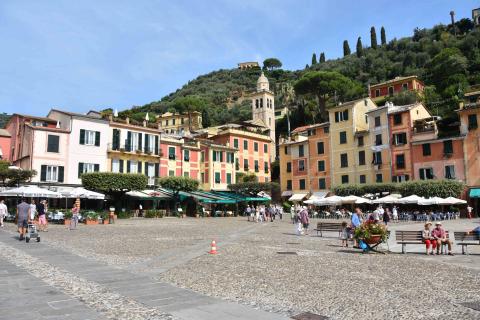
94, 54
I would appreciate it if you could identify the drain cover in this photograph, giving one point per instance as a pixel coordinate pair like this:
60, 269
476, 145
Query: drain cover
309, 316
287, 252
475, 305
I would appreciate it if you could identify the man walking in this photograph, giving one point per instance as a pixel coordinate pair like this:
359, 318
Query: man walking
23, 218
3, 212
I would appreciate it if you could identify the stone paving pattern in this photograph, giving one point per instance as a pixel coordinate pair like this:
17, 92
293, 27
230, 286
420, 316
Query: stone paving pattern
147, 262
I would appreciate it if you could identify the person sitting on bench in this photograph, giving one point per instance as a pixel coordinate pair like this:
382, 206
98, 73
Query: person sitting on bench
439, 234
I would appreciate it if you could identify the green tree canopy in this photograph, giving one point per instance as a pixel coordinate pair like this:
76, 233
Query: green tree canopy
253, 188
449, 71
205, 119
14, 177
272, 64
346, 48
324, 85
383, 36
110, 182
322, 57
177, 184
373, 38
314, 59
359, 47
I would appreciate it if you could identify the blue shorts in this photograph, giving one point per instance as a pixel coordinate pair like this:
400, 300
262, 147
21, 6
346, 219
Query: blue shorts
22, 223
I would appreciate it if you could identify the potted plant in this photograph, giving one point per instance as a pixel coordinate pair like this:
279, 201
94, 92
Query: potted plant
92, 218
371, 232
67, 217
104, 216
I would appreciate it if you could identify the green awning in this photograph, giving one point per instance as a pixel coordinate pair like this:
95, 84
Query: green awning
241, 197
474, 193
215, 198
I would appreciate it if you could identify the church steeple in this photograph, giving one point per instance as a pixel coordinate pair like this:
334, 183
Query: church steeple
263, 108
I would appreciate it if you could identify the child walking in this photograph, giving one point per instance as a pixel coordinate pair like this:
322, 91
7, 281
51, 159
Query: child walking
345, 234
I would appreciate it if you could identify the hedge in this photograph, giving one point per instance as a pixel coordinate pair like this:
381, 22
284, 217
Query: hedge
114, 182
423, 188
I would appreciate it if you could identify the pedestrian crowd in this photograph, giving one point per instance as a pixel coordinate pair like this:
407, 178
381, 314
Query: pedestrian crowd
263, 213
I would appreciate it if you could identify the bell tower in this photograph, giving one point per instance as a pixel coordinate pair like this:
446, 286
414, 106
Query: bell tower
263, 108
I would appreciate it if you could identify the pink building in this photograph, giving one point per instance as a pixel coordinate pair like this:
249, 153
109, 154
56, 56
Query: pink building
5, 144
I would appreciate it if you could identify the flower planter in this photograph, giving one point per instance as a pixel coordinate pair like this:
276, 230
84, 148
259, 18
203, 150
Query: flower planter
105, 221
374, 238
91, 222
67, 222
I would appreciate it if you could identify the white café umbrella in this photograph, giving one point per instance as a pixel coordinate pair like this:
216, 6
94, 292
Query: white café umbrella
431, 201
453, 201
413, 199
329, 201
30, 192
354, 199
83, 193
387, 199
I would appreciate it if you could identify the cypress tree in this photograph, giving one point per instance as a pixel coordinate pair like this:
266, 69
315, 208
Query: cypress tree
205, 119
346, 48
383, 37
322, 57
307, 66
373, 38
314, 59
359, 47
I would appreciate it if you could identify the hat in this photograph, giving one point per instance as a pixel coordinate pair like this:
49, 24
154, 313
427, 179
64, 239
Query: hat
438, 223
428, 223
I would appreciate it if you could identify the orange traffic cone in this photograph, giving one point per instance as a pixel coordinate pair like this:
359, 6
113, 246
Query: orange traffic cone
213, 249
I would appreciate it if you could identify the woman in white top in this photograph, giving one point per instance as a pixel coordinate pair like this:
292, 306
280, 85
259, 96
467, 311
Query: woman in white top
3, 212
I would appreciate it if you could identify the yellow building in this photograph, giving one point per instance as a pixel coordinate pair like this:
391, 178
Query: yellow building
378, 158
348, 139
179, 123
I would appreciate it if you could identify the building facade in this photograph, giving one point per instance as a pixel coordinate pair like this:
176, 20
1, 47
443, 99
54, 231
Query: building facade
180, 123
388, 88
348, 139
217, 163
469, 114
378, 157
5, 144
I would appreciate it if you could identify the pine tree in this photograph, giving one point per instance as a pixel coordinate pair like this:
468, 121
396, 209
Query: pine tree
205, 119
373, 38
307, 66
383, 37
322, 57
359, 47
346, 48
314, 59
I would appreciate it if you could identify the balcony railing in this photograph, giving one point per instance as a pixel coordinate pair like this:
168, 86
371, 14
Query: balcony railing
424, 128
133, 149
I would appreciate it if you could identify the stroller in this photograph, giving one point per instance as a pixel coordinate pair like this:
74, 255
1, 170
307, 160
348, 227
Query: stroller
32, 232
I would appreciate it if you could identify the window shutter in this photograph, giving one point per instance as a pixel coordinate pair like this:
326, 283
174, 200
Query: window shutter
129, 141
157, 170
146, 169
139, 167
345, 115
422, 174
128, 166
221, 156
156, 145
61, 173
121, 165
97, 138
336, 116
96, 167
80, 169
116, 139
43, 173
139, 141
214, 156
82, 136
147, 140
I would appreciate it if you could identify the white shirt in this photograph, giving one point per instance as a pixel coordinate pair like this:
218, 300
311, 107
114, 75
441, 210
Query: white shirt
469, 209
3, 209
33, 211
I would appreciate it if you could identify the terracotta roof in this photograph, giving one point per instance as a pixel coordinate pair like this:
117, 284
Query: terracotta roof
311, 126
33, 117
74, 114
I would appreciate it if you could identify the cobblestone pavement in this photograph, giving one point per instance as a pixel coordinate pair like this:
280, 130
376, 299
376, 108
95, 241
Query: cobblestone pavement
321, 277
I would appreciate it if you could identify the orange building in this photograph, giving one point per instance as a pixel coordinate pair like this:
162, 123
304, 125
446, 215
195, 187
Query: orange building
391, 87
400, 121
5, 144
469, 113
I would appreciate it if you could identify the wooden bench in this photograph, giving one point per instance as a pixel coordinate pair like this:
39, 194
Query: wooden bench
328, 226
466, 239
412, 237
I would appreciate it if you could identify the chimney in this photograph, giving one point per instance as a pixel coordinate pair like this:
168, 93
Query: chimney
127, 120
